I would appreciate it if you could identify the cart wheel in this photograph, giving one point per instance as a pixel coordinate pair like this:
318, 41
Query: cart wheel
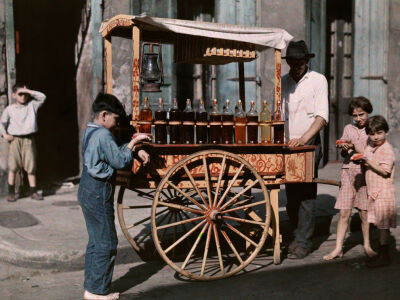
220, 217
134, 216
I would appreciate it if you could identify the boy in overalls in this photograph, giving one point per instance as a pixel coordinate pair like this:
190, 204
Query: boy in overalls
101, 157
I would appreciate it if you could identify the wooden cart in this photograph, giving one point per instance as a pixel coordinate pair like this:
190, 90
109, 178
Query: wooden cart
208, 209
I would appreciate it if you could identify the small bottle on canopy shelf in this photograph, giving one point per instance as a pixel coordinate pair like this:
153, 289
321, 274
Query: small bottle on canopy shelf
175, 121
215, 124
160, 122
227, 124
265, 116
240, 124
145, 117
188, 123
201, 124
252, 124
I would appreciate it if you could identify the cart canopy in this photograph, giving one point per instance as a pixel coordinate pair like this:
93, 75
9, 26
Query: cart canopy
167, 30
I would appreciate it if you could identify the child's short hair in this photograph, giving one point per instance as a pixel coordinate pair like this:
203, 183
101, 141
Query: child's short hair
18, 85
360, 102
376, 123
108, 103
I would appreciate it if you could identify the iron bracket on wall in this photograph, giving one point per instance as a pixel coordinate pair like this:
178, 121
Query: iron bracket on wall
257, 79
369, 77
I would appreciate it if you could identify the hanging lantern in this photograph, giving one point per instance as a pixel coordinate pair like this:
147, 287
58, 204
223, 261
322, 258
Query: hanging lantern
151, 68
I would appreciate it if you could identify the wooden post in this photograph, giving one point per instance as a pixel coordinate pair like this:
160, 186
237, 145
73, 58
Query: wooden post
241, 85
10, 47
135, 72
278, 71
97, 47
108, 57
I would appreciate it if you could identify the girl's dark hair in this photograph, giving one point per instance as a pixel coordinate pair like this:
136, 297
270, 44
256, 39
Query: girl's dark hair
360, 102
375, 124
108, 103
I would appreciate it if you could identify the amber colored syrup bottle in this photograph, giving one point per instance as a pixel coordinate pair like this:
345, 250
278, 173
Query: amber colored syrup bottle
252, 124
188, 123
160, 122
145, 117
201, 124
175, 121
265, 116
240, 124
279, 129
215, 124
227, 124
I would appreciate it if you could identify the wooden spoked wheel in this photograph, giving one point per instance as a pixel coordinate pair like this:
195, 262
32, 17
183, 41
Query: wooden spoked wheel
221, 215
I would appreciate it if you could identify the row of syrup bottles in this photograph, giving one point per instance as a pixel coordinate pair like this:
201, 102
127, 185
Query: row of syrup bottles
226, 127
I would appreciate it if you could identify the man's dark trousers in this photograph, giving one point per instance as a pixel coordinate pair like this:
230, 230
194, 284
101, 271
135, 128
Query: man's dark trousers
300, 205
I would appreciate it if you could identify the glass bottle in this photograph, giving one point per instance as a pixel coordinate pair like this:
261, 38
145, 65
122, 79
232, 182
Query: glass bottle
252, 124
240, 124
201, 124
227, 124
279, 128
265, 116
175, 121
145, 117
160, 122
215, 124
188, 123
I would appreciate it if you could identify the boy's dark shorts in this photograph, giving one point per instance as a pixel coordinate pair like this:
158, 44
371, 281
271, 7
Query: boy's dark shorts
22, 154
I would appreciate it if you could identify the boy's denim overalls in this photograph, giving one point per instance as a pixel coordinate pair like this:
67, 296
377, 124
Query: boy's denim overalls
96, 198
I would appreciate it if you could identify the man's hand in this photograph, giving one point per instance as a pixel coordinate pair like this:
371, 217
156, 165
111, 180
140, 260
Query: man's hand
8, 137
296, 142
144, 156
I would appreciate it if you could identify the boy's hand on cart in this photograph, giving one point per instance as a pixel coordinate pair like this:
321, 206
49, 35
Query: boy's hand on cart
296, 142
144, 156
141, 137
8, 137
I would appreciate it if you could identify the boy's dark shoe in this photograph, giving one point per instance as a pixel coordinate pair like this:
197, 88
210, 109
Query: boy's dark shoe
36, 196
299, 253
11, 198
381, 260
293, 245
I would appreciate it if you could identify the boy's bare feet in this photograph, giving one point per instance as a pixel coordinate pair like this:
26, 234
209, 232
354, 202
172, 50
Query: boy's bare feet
89, 296
337, 253
369, 252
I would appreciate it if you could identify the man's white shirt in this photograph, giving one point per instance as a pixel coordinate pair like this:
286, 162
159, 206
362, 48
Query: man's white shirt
303, 102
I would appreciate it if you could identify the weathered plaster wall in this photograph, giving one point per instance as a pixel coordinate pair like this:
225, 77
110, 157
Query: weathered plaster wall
285, 14
394, 76
3, 102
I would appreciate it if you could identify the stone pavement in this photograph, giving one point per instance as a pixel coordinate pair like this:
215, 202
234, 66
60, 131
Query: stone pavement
57, 237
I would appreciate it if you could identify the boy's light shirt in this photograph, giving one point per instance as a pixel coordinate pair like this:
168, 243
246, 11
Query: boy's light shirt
102, 155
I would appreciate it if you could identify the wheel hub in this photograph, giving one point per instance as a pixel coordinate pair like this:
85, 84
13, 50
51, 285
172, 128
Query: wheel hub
214, 215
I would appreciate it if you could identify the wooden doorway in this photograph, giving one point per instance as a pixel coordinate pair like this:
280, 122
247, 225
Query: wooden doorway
339, 68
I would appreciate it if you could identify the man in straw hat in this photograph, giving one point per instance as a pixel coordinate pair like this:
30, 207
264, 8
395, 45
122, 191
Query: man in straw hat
306, 111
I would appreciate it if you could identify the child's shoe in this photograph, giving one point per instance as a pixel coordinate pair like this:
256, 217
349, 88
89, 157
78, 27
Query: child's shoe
36, 196
11, 198
382, 259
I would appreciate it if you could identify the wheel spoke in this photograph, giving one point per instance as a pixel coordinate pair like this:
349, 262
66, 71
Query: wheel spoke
239, 194
184, 226
230, 184
245, 206
225, 235
241, 234
194, 185
184, 236
244, 220
145, 219
219, 179
221, 263
165, 230
194, 247
180, 222
136, 206
186, 195
203, 265
207, 179
181, 207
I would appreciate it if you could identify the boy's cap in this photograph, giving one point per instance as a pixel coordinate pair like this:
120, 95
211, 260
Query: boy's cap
108, 103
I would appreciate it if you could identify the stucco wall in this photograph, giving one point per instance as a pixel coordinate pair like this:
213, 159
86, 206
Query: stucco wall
285, 14
394, 76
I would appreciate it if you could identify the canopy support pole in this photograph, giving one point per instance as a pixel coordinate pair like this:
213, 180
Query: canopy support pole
278, 70
135, 73
108, 57
241, 85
